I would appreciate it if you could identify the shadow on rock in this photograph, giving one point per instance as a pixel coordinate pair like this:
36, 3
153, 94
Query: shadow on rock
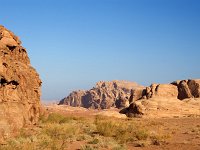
133, 110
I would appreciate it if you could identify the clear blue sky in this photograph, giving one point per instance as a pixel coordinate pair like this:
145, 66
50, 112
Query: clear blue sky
75, 43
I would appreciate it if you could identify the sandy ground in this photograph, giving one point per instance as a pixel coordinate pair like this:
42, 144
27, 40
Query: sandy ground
182, 121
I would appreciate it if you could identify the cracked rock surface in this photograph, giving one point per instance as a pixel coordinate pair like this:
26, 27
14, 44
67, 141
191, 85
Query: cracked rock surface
19, 86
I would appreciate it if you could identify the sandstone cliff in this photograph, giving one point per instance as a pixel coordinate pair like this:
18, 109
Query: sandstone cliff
104, 95
19, 86
176, 97
178, 89
138, 100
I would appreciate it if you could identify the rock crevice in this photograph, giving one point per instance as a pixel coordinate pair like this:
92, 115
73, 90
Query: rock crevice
19, 86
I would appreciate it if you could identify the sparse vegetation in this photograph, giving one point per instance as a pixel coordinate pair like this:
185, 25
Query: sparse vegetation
122, 131
58, 131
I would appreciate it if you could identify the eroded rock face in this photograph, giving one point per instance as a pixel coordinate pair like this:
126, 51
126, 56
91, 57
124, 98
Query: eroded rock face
133, 110
161, 90
74, 99
178, 89
162, 97
103, 96
19, 86
188, 88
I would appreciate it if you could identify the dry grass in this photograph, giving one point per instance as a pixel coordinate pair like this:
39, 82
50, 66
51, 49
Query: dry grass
123, 131
57, 132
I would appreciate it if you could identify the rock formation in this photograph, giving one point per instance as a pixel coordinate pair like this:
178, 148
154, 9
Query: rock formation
161, 90
19, 86
74, 99
133, 110
188, 88
165, 97
104, 95
121, 94
178, 89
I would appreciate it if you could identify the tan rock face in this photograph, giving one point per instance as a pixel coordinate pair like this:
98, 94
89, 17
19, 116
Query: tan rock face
19, 86
188, 88
162, 90
178, 98
133, 110
103, 96
184, 90
74, 99
179, 89
194, 86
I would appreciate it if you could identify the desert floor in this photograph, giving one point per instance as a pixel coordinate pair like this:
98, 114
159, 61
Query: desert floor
172, 132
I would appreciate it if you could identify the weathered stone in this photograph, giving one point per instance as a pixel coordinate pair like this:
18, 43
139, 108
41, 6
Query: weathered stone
104, 95
74, 99
138, 93
188, 88
19, 86
134, 110
161, 90
194, 86
183, 90
166, 90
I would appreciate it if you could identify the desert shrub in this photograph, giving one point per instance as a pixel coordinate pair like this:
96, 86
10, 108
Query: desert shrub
119, 147
57, 118
123, 134
122, 131
88, 128
60, 131
56, 136
81, 138
141, 134
106, 128
88, 147
110, 143
94, 141
159, 139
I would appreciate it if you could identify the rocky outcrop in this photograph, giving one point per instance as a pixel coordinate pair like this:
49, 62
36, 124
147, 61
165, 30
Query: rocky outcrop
165, 98
133, 110
188, 88
183, 89
161, 90
104, 95
19, 86
194, 86
121, 94
178, 89
74, 99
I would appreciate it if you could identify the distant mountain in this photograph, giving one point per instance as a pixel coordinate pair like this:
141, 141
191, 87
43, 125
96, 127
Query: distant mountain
103, 96
121, 94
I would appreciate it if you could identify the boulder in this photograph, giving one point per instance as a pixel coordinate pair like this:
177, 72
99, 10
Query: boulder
188, 88
194, 86
19, 86
134, 110
183, 90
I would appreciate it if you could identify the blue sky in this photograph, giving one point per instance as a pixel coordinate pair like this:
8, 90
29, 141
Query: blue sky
75, 43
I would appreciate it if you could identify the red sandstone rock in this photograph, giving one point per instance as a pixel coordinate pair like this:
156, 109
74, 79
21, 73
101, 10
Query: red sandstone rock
19, 86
